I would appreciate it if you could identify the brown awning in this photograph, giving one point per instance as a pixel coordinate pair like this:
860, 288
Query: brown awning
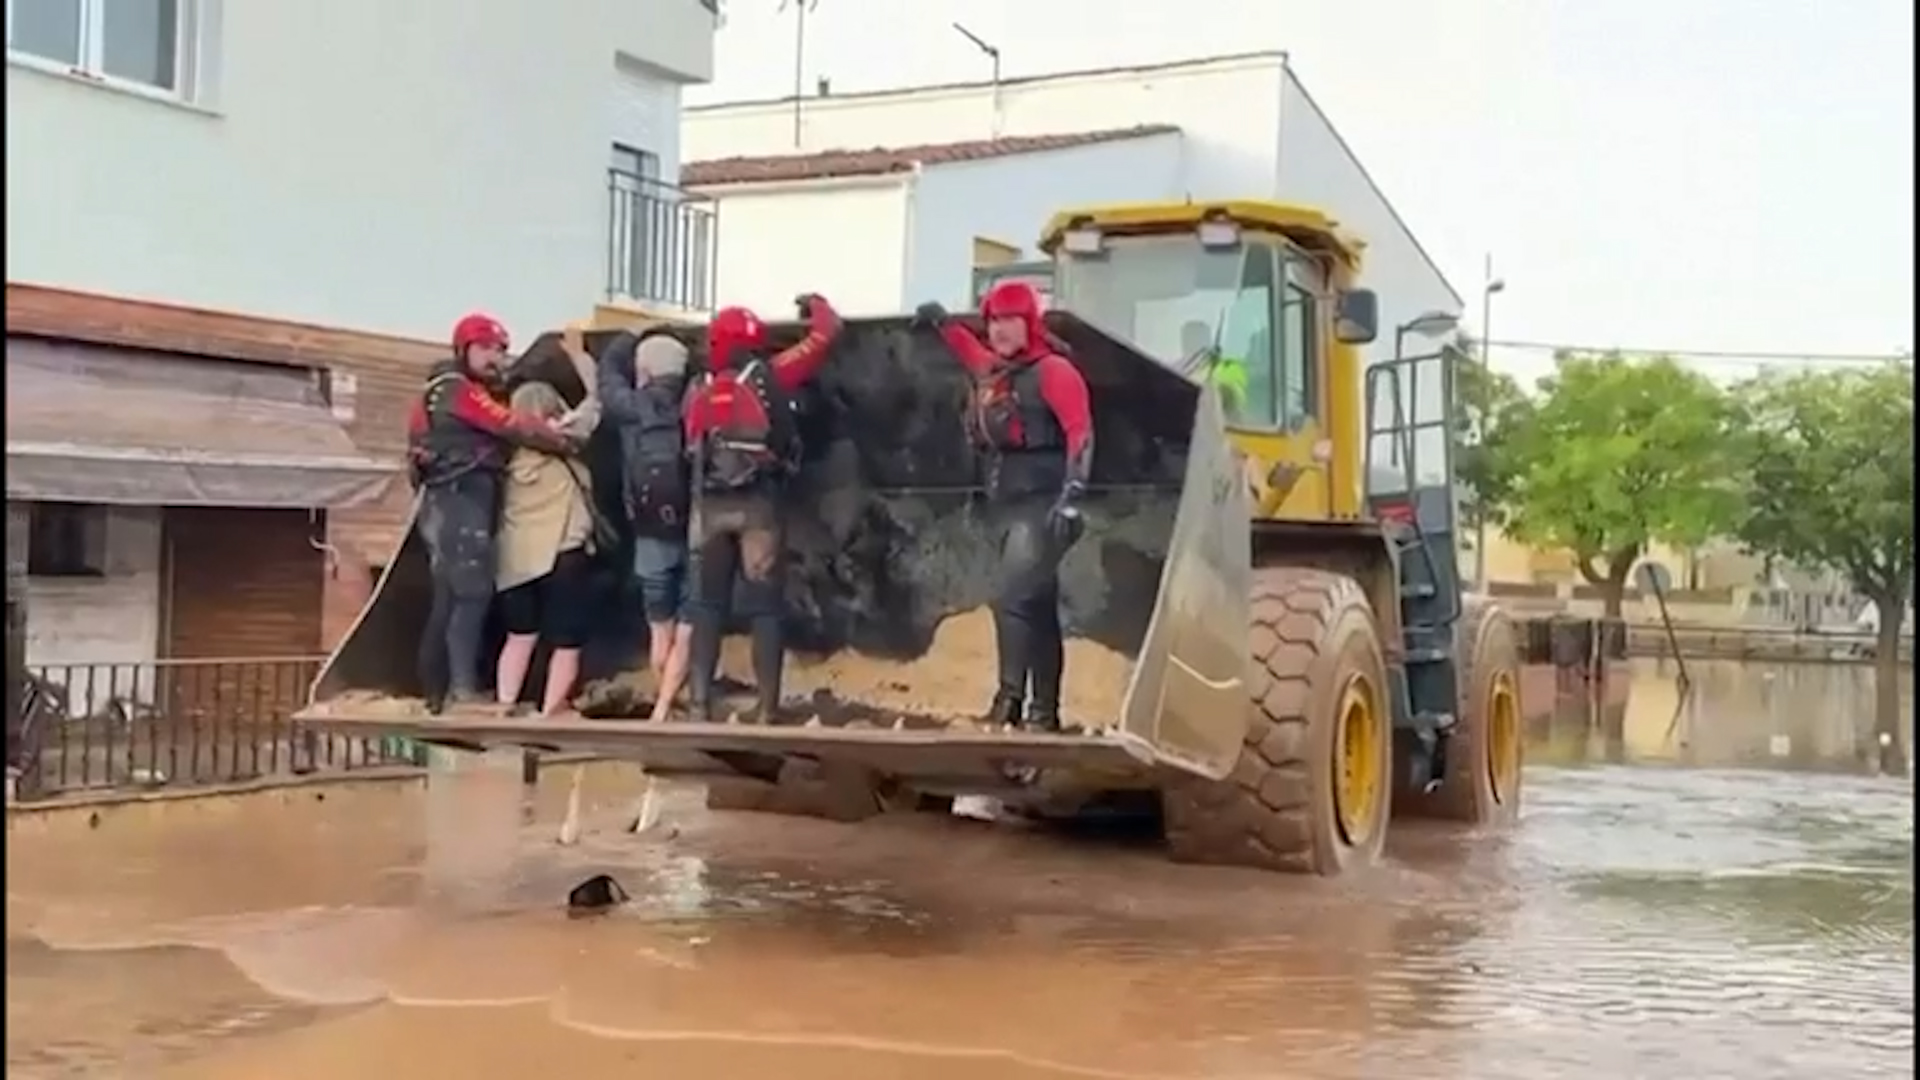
98, 425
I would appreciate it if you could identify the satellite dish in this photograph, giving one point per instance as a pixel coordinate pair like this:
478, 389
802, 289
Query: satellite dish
1653, 577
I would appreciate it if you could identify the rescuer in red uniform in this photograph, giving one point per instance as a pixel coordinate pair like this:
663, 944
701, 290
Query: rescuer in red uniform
745, 445
1029, 416
458, 438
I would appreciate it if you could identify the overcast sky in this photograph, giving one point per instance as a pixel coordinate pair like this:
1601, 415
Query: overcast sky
1689, 174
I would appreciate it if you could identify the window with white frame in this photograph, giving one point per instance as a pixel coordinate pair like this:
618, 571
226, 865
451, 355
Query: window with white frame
136, 43
643, 164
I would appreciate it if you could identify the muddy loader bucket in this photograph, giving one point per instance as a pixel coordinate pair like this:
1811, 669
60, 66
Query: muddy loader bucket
891, 567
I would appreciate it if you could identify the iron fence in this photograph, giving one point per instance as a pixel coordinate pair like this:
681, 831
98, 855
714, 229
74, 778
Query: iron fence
661, 242
175, 723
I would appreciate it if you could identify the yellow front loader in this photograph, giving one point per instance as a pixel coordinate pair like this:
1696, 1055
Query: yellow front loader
1270, 651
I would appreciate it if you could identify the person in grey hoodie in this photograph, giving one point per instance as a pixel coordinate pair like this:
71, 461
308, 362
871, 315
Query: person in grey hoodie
642, 382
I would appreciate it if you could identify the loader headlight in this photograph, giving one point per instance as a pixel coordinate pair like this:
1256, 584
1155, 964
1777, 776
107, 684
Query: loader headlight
1083, 241
1218, 233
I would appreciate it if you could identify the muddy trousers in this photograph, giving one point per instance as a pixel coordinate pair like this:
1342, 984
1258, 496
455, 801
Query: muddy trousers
1026, 615
736, 537
457, 522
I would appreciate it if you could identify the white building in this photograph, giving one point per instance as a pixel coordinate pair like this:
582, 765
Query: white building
238, 232
1246, 128
378, 166
912, 223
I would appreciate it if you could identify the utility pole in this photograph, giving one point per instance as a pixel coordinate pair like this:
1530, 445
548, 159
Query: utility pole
1489, 286
993, 54
800, 9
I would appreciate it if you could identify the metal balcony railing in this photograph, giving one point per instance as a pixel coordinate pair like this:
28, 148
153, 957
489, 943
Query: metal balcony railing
661, 243
173, 723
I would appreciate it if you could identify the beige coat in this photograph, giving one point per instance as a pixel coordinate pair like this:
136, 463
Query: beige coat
546, 508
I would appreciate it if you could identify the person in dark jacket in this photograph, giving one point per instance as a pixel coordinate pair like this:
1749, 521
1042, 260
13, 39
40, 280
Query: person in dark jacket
743, 438
459, 436
1030, 419
641, 387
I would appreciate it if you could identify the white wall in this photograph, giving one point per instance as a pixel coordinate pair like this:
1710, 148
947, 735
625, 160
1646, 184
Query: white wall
646, 114
674, 37
1230, 113
112, 619
1010, 198
356, 163
1317, 168
846, 240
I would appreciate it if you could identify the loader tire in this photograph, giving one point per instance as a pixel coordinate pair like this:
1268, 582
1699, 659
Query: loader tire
1482, 780
1312, 790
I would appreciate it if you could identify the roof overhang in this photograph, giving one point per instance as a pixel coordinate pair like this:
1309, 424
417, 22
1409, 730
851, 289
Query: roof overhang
122, 427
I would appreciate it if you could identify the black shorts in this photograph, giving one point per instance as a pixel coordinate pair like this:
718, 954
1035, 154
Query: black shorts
554, 605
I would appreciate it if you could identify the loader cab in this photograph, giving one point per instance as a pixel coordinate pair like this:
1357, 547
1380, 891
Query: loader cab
1257, 299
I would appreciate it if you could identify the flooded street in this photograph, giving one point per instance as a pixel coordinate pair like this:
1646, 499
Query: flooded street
1687, 895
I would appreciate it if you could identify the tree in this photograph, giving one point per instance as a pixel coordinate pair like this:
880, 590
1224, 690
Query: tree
1611, 454
1488, 406
1829, 468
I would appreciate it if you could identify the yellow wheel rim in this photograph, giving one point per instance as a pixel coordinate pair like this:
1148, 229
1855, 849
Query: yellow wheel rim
1358, 777
1503, 737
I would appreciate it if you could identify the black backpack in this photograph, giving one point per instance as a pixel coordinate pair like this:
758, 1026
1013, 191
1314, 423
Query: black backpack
658, 488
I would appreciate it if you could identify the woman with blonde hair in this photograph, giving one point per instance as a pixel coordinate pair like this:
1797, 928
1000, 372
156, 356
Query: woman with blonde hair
547, 539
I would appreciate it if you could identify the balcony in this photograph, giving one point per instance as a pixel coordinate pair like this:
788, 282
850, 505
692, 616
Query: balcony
661, 244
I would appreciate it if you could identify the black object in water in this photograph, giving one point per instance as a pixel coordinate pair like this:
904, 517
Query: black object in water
596, 895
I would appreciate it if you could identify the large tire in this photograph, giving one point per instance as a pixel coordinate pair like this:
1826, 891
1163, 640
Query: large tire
1318, 686
1482, 783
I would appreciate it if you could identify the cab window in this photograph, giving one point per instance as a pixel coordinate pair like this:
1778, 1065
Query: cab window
1298, 402
1248, 376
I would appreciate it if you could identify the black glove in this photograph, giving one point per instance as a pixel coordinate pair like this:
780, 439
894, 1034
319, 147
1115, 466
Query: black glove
1064, 522
929, 315
804, 304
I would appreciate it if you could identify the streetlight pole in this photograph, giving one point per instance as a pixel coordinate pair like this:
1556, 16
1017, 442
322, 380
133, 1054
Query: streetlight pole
1489, 286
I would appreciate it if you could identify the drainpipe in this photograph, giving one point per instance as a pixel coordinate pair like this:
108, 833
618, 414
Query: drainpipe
910, 226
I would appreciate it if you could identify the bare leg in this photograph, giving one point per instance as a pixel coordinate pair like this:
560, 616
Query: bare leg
673, 671
563, 670
659, 645
516, 656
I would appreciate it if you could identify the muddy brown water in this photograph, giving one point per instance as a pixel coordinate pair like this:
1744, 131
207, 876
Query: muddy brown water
1680, 900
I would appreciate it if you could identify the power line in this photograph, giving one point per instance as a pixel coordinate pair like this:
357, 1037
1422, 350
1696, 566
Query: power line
1713, 355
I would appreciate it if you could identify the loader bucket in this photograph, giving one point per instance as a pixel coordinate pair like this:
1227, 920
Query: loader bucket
891, 568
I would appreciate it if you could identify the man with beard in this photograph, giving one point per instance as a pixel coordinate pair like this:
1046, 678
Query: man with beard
459, 436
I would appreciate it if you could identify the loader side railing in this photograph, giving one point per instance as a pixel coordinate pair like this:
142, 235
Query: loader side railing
175, 723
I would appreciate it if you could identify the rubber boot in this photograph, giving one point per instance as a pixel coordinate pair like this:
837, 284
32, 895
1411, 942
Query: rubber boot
1048, 668
1005, 710
703, 661
1014, 643
769, 658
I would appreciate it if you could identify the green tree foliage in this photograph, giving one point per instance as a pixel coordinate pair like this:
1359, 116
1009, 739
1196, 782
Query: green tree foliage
1829, 467
1488, 406
1610, 455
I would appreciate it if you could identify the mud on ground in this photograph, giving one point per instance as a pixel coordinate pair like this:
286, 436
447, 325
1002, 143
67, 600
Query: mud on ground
952, 682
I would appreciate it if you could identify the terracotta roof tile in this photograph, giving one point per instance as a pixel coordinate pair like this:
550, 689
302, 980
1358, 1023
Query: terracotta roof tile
882, 160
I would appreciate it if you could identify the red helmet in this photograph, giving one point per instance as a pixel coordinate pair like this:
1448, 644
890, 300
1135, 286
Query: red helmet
733, 329
1016, 300
478, 329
